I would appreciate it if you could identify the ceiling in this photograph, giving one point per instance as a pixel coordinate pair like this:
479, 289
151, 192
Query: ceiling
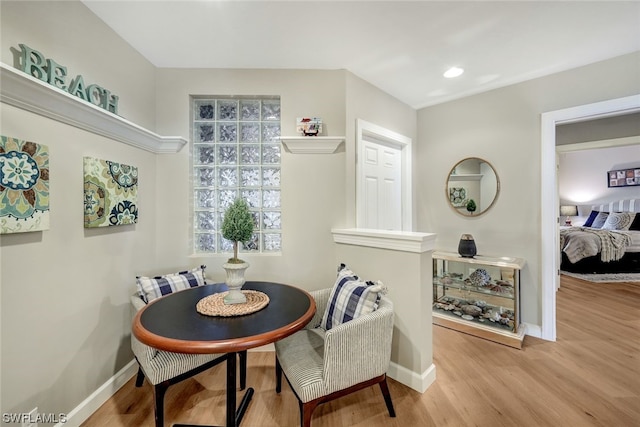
403, 48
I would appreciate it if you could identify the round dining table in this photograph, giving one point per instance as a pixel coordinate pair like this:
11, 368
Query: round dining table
172, 323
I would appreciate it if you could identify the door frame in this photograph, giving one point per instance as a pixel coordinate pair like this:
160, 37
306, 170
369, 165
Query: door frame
549, 203
378, 134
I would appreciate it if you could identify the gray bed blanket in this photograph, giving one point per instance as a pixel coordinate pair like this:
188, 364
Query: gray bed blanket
584, 242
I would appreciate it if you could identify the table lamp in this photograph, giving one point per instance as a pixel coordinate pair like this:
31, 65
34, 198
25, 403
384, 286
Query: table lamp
568, 211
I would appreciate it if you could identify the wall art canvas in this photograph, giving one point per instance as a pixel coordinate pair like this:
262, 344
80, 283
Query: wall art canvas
24, 186
624, 177
458, 196
110, 193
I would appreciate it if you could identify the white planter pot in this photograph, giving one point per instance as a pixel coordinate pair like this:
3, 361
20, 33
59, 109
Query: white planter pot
235, 280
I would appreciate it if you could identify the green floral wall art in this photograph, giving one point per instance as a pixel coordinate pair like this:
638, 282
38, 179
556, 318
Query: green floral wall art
458, 196
24, 186
110, 193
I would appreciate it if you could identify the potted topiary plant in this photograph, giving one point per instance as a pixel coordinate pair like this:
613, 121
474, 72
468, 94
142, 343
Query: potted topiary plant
237, 227
471, 206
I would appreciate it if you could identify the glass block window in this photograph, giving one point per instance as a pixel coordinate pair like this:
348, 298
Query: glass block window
236, 153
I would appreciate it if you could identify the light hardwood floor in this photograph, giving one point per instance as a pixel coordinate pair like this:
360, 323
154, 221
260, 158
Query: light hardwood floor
589, 377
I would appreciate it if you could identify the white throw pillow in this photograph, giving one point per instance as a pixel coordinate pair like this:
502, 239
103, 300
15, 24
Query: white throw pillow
619, 221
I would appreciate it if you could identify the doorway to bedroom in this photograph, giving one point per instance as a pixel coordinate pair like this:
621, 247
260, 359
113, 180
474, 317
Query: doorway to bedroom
583, 184
549, 203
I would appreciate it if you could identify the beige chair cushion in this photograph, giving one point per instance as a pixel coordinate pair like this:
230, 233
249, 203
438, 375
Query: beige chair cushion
318, 363
159, 365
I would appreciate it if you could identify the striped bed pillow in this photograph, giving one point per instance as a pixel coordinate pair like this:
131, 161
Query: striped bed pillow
150, 288
350, 298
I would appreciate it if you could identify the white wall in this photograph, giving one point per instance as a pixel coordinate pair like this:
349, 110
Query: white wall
65, 317
503, 127
365, 101
312, 184
71, 35
582, 175
318, 190
408, 277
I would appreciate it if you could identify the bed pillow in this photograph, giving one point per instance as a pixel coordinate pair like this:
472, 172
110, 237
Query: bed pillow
350, 298
150, 288
600, 219
589, 220
619, 221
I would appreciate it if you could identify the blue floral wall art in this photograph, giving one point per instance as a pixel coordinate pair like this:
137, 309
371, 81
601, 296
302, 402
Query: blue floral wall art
24, 186
110, 193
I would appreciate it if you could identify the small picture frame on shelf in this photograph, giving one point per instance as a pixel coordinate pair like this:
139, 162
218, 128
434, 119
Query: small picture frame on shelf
623, 177
309, 126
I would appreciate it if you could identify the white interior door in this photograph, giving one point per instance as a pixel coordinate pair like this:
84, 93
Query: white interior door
383, 186
382, 169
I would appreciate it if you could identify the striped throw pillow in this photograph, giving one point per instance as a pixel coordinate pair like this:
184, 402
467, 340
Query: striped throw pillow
350, 298
151, 288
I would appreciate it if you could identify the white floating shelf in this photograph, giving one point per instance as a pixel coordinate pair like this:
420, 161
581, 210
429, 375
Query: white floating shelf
466, 177
24, 91
312, 144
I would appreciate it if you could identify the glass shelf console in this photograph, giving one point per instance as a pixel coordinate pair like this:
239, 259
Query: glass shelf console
479, 296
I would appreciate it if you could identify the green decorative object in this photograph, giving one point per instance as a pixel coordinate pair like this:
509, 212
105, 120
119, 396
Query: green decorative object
77, 88
471, 205
110, 193
458, 196
237, 226
24, 186
49, 71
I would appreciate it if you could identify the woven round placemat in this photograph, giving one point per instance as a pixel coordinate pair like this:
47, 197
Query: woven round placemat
214, 305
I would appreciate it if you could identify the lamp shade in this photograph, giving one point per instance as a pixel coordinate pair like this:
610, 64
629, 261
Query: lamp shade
569, 210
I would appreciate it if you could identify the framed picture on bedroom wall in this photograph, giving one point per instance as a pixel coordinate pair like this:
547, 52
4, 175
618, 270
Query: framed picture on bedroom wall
623, 177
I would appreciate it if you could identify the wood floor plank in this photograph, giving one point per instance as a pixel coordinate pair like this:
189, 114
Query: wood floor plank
589, 377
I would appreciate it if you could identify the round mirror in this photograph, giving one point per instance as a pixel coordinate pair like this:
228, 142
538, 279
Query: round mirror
472, 186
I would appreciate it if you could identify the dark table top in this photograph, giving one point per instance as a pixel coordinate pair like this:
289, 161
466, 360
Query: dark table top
172, 323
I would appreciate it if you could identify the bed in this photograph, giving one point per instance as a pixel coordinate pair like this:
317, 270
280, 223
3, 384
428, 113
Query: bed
608, 242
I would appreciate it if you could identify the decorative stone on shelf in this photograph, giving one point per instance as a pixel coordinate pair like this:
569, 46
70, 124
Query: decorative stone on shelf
479, 296
28, 93
312, 144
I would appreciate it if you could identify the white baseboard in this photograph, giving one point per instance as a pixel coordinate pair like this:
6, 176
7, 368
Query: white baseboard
533, 330
87, 407
401, 374
418, 382
80, 413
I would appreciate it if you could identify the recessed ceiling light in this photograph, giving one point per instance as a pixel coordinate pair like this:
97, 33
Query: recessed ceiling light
453, 72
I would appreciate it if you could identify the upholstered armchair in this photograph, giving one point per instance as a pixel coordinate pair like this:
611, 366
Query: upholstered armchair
163, 368
323, 365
